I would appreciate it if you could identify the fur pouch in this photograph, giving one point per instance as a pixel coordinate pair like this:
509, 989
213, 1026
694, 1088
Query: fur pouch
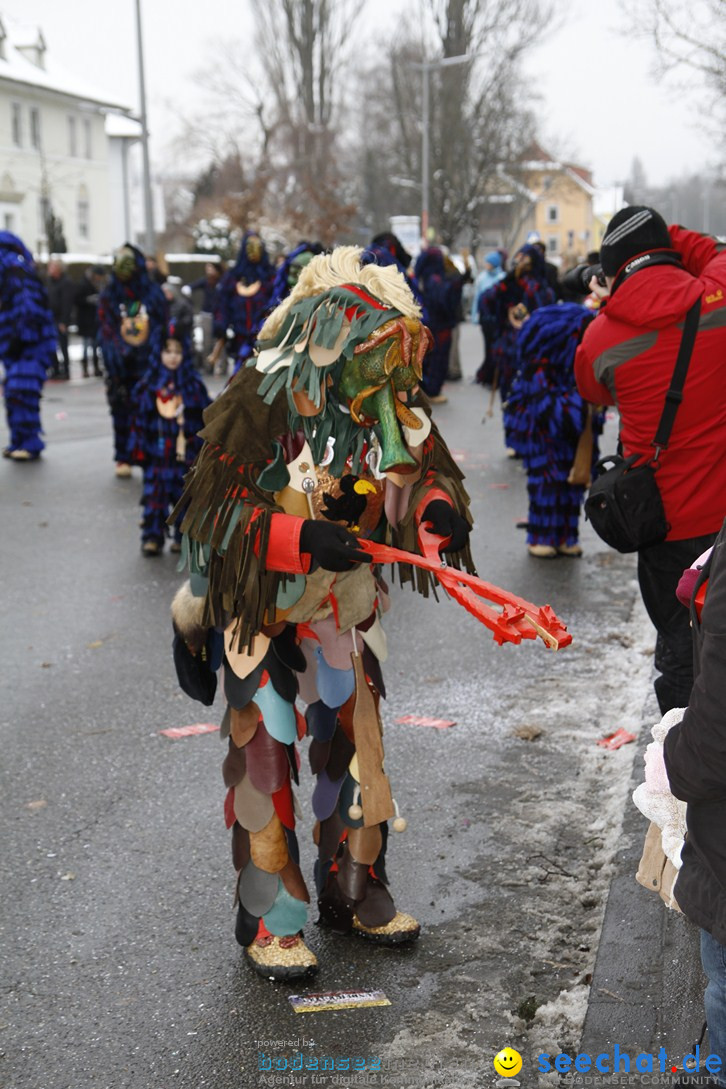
186, 615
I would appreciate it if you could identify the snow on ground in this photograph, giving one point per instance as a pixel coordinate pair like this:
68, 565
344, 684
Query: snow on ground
515, 954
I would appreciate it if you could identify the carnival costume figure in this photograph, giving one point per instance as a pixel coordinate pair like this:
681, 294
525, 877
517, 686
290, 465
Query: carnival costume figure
386, 248
243, 299
504, 307
288, 273
323, 441
166, 416
441, 298
552, 428
27, 347
131, 307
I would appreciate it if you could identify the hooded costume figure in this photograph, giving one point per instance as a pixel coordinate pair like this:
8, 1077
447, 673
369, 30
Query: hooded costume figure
288, 273
166, 414
324, 439
131, 308
549, 424
503, 308
387, 249
243, 299
27, 346
441, 299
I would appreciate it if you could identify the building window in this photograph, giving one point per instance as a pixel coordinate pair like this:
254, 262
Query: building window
35, 127
84, 214
17, 122
87, 145
553, 213
553, 244
72, 137
9, 222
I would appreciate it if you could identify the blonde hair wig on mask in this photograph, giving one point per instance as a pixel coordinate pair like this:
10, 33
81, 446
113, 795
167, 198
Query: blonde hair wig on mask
342, 266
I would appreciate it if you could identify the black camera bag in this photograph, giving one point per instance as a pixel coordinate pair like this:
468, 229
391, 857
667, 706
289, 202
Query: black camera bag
624, 503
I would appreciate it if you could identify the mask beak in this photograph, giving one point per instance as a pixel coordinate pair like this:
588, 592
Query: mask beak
395, 457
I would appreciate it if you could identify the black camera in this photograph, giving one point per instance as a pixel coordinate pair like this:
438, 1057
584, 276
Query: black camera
578, 278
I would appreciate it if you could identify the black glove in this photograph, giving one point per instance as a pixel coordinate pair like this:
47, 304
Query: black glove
332, 547
467, 276
446, 522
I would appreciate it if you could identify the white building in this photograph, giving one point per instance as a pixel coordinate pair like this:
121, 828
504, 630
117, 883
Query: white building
64, 147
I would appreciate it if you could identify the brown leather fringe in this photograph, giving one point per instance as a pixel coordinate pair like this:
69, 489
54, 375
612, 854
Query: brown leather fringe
221, 487
218, 489
438, 470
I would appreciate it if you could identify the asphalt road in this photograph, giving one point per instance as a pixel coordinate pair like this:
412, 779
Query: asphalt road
120, 967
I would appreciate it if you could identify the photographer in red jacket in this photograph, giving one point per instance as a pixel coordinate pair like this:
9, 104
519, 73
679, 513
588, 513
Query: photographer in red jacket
654, 274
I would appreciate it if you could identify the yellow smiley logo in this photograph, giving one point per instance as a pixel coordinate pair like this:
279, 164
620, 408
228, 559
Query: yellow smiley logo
508, 1062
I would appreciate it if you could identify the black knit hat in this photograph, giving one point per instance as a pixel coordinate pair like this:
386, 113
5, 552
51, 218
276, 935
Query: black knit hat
632, 231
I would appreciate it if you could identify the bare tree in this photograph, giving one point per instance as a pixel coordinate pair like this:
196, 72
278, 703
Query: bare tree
691, 36
476, 121
266, 132
304, 46
688, 37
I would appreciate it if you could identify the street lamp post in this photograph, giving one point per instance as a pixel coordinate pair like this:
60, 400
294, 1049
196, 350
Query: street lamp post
425, 154
426, 67
150, 242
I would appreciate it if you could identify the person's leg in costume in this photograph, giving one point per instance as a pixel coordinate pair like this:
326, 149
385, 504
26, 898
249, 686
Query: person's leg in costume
350, 869
350, 872
23, 386
119, 404
261, 762
118, 389
156, 509
569, 503
542, 527
174, 493
436, 363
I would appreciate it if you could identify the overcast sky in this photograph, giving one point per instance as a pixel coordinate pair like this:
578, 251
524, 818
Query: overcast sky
600, 104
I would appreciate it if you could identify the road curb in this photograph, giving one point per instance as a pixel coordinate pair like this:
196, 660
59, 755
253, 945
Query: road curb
647, 986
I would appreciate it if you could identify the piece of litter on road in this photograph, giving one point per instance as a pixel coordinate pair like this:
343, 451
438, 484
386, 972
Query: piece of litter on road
500, 486
424, 720
175, 732
614, 741
39, 804
68, 877
527, 733
45, 665
61, 415
336, 1000
458, 455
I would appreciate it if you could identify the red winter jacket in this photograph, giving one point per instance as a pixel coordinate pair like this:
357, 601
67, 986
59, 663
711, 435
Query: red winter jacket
627, 356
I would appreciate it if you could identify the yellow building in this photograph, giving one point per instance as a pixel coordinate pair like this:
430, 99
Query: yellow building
560, 207
543, 198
